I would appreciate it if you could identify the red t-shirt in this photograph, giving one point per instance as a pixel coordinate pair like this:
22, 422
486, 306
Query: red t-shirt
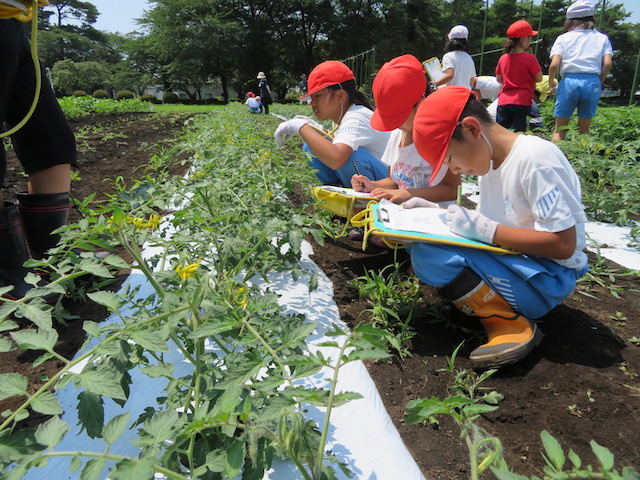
517, 70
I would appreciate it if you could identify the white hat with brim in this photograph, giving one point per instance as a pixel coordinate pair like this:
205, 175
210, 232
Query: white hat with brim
581, 9
459, 31
261, 75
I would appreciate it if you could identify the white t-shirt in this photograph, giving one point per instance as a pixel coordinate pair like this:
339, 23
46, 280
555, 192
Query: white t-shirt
581, 51
536, 188
355, 131
407, 168
253, 103
488, 86
463, 67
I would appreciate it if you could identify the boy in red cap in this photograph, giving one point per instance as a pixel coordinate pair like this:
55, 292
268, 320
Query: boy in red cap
530, 202
355, 147
517, 71
398, 89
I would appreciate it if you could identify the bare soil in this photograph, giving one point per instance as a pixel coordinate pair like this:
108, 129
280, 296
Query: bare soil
582, 383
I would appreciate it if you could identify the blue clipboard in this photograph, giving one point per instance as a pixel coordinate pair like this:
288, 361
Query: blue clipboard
371, 220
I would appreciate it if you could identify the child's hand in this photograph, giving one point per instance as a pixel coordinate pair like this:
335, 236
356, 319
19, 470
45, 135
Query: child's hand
394, 195
360, 183
471, 224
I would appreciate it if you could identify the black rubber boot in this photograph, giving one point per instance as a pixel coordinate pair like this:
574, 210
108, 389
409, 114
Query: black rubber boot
13, 254
42, 213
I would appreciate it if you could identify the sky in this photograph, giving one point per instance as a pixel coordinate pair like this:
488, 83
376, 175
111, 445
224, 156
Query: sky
120, 15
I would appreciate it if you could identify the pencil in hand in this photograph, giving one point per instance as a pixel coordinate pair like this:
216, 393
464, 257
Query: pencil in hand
459, 196
355, 167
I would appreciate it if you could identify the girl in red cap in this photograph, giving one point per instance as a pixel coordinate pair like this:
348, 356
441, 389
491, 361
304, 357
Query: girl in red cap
398, 89
517, 71
530, 202
355, 146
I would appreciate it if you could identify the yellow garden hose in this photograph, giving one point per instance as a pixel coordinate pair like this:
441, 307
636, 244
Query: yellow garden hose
24, 13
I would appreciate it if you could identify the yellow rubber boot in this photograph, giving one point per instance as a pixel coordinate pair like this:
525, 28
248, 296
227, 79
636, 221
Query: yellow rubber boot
511, 336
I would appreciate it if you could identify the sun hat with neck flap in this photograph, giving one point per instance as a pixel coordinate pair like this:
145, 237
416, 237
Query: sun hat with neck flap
325, 75
436, 119
398, 86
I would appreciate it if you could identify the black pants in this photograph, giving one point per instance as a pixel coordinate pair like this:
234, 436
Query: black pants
46, 139
513, 116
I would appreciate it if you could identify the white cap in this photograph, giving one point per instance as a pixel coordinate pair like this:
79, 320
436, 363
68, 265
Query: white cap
459, 31
581, 9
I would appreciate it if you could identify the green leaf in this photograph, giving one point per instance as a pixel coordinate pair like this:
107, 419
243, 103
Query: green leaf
12, 384
91, 328
35, 311
35, 339
51, 432
233, 458
6, 345
116, 261
115, 427
101, 381
76, 463
505, 475
47, 403
151, 341
575, 459
8, 324
93, 469
157, 371
603, 454
553, 449
107, 299
94, 267
129, 469
91, 413
161, 426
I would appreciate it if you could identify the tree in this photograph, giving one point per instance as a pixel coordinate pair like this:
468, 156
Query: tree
88, 76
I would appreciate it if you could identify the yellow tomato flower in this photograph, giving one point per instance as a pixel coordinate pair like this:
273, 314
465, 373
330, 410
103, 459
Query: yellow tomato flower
188, 271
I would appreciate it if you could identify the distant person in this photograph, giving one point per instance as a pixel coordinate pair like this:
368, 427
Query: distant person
486, 87
517, 71
46, 148
265, 92
583, 56
303, 85
253, 103
457, 64
354, 146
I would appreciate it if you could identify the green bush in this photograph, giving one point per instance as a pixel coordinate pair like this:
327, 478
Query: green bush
79, 93
124, 94
170, 97
149, 98
101, 94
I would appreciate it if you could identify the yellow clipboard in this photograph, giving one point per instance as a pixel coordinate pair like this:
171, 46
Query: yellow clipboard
369, 219
339, 203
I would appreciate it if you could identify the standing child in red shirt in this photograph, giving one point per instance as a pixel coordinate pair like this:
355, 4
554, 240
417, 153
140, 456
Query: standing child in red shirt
517, 71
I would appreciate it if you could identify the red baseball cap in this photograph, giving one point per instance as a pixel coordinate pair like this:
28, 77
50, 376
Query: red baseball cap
520, 29
398, 86
436, 119
326, 74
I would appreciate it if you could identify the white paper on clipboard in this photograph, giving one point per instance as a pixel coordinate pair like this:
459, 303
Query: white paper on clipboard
433, 69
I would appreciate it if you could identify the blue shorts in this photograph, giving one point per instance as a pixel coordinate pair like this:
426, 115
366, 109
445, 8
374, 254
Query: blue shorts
533, 286
367, 164
581, 90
